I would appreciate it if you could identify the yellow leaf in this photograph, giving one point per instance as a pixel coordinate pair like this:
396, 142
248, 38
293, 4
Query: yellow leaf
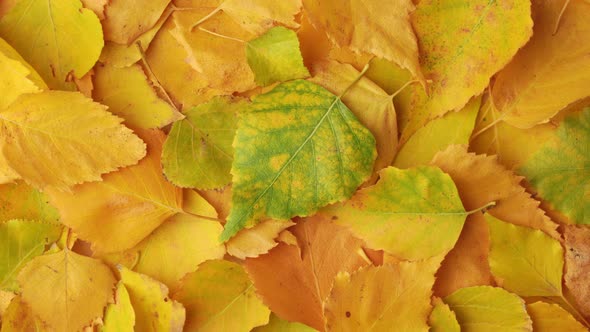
125, 207
172, 251
442, 318
258, 240
295, 281
119, 316
97, 6
122, 55
13, 54
222, 62
551, 71
577, 263
154, 310
412, 214
185, 85
257, 16
438, 134
371, 105
71, 122
14, 80
127, 19
128, 94
525, 261
381, 298
220, 297
462, 44
481, 179
66, 290
381, 28
551, 317
473, 307
57, 37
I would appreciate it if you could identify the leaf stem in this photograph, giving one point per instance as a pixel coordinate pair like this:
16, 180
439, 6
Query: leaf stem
481, 208
153, 76
205, 18
360, 75
222, 36
403, 87
565, 4
203, 217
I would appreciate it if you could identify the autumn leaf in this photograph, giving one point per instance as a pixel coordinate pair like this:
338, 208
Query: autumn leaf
472, 306
394, 214
128, 94
258, 240
294, 281
551, 317
368, 300
327, 138
70, 121
120, 211
65, 289
154, 310
198, 151
442, 318
119, 316
219, 296
276, 324
275, 57
125, 20
15, 80
577, 265
20, 201
61, 38
559, 170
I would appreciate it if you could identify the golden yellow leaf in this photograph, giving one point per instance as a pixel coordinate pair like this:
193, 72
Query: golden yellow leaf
577, 265
257, 16
277, 324
154, 310
381, 298
481, 179
57, 37
474, 306
551, 317
220, 297
371, 105
438, 134
412, 214
258, 240
551, 71
381, 28
127, 19
442, 318
21, 201
525, 261
122, 55
128, 94
125, 207
222, 62
66, 290
13, 54
119, 316
165, 57
295, 281
71, 122
462, 45
14, 80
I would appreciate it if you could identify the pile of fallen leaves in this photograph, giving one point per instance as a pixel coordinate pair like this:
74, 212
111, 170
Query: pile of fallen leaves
294, 165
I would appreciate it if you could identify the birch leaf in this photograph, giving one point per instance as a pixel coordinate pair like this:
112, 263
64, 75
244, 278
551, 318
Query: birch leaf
442, 318
551, 71
120, 211
125, 20
560, 170
473, 305
198, 152
21, 201
70, 121
551, 317
412, 214
577, 266
220, 297
119, 316
14, 81
66, 290
128, 94
275, 57
62, 38
327, 139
